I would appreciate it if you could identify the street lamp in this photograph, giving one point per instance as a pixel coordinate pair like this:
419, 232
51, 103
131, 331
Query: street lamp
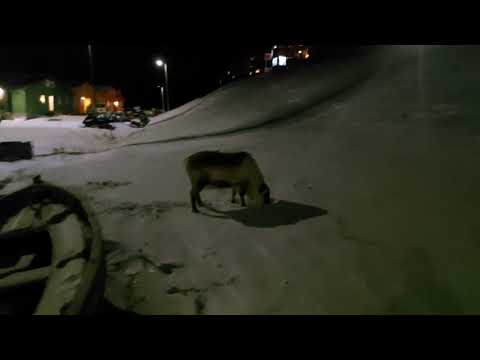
2, 94
161, 63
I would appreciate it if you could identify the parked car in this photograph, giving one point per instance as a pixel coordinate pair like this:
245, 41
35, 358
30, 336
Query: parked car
99, 121
103, 120
101, 108
138, 117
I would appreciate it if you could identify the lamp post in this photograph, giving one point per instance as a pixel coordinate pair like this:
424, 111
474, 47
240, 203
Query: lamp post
161, 63
162, 90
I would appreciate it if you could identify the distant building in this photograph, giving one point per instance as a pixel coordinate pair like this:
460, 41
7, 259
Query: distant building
297, 52
107, 96
279, 57
283, 55
39, 97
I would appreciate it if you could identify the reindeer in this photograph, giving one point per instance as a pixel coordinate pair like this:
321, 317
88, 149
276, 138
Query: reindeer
238, 171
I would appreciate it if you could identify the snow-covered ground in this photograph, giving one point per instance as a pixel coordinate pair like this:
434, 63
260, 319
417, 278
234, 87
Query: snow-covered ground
62, 134
376, 195
61, 121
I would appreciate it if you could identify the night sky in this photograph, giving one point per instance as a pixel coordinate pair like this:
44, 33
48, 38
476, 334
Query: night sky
194, 69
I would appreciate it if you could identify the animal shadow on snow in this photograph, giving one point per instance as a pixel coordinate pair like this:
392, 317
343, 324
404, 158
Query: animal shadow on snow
278, 214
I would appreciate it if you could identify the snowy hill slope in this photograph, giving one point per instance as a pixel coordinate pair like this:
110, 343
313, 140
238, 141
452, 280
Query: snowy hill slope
257, 101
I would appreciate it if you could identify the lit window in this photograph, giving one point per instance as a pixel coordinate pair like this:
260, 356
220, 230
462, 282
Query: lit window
2, 94
43, 99
279, 61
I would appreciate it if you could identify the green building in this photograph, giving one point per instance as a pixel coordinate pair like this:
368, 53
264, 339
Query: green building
41, 97
4, 103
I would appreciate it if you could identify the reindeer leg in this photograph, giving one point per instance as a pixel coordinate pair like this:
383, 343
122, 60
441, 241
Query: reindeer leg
234, 194
195, 195
201, 186
193, 199
243, 192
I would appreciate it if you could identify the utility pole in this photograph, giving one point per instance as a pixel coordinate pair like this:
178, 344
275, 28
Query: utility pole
92, 75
